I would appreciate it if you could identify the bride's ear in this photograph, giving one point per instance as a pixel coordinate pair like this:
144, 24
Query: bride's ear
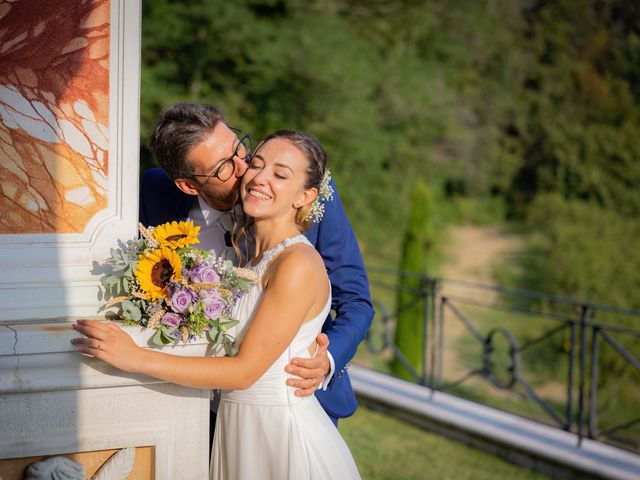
186, 186
306, 197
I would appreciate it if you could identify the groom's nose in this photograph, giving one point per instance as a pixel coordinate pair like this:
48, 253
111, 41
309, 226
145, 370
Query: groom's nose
241, 166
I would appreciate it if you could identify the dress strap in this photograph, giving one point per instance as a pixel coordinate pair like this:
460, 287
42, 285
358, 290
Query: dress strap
272, 253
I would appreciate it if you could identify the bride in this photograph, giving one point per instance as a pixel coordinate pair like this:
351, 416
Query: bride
263, 430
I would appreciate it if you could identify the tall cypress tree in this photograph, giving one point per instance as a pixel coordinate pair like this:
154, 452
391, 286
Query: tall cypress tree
416, 244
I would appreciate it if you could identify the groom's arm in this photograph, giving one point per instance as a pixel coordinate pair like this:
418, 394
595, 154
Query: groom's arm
351, 301
160, 200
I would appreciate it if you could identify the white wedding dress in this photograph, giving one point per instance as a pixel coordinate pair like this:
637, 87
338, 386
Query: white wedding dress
265, 431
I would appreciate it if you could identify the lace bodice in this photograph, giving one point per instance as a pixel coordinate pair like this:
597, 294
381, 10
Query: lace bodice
272, 253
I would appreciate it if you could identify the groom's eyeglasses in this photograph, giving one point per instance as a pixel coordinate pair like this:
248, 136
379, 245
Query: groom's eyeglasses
226, 168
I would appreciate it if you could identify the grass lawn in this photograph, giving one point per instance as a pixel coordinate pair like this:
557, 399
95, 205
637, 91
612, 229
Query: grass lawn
386, 448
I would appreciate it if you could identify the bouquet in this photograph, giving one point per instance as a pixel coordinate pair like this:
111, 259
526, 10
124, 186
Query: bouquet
160, 281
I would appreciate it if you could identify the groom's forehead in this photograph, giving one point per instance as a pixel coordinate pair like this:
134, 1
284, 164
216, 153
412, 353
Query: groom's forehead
211, 150
219, 142
222, 136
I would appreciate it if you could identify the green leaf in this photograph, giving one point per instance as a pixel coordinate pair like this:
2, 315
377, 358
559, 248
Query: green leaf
230, 347
158, 338
225, 326
213, 335
130, 311
166, 337
243, 284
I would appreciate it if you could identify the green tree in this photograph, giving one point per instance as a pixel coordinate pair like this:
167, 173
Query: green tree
418, 239
513, 99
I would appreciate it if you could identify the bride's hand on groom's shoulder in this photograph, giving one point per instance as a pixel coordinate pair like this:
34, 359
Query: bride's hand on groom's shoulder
109, 343
311, 371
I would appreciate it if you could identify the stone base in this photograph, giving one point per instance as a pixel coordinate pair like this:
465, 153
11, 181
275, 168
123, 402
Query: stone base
55, 401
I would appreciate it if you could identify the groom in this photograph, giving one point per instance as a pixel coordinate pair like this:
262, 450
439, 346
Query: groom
203, 161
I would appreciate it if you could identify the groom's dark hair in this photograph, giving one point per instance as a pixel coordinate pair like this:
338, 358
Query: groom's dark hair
181, 128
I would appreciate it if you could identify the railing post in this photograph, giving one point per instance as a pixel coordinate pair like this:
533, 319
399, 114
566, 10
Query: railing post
440, 341
583, 366
434, 346
425, 293
595, 355
572, 358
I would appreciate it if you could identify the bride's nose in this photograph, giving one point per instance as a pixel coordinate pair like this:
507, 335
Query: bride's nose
261, 177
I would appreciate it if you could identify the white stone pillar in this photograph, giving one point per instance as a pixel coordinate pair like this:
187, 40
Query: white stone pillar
69, 144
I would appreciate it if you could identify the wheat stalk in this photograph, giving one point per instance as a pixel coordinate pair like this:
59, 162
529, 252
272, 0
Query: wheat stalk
155, 318
205, 285
115, 300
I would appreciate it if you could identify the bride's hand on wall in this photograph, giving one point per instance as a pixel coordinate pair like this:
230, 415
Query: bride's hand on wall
109, 343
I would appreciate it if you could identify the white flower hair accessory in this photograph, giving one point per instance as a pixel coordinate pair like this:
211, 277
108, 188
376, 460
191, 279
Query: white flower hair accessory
325, 194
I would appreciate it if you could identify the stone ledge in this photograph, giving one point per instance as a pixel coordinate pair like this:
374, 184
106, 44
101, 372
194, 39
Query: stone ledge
39, 357
522, 441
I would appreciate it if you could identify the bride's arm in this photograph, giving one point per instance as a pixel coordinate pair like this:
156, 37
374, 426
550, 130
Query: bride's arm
297, 284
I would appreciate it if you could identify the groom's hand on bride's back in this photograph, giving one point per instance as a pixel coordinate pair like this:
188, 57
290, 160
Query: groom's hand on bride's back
311, 372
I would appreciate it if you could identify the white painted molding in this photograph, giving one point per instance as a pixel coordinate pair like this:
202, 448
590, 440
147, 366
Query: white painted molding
49, 275
41, 358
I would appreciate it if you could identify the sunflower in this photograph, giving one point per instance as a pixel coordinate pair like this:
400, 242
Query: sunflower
176, 234
155, 270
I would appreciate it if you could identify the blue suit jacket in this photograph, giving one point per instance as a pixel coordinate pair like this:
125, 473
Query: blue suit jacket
161, 201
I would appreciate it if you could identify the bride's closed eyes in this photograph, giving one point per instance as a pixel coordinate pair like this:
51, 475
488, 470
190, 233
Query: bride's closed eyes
280, 171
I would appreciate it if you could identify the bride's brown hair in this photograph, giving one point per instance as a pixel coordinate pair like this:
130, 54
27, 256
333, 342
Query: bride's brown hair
317, 163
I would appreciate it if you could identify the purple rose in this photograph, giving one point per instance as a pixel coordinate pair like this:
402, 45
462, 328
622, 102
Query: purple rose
206, 274
171, 320
213, 305
180, 301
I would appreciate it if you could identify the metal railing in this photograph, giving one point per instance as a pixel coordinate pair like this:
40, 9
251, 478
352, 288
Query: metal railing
485, 317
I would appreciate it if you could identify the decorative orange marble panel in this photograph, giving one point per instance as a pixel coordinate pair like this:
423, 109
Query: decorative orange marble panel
54, 114
143, 466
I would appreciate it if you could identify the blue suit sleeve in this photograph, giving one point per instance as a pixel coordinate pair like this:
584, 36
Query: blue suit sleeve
351, 301
160, 200
143, 214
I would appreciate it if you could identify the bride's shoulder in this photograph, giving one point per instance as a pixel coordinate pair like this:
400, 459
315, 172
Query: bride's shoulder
300, 262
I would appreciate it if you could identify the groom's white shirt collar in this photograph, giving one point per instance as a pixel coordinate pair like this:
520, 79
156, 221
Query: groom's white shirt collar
213, 225
209, 214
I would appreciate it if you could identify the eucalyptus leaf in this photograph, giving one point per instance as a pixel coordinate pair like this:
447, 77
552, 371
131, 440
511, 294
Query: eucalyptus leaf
158, 338
131, 311
166, 338
212, 335
230, 347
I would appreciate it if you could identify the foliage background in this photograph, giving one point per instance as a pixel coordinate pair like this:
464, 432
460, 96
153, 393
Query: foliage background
527, 110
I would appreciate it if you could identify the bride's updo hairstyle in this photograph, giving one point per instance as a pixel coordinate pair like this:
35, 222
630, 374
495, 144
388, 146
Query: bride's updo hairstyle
316, 165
